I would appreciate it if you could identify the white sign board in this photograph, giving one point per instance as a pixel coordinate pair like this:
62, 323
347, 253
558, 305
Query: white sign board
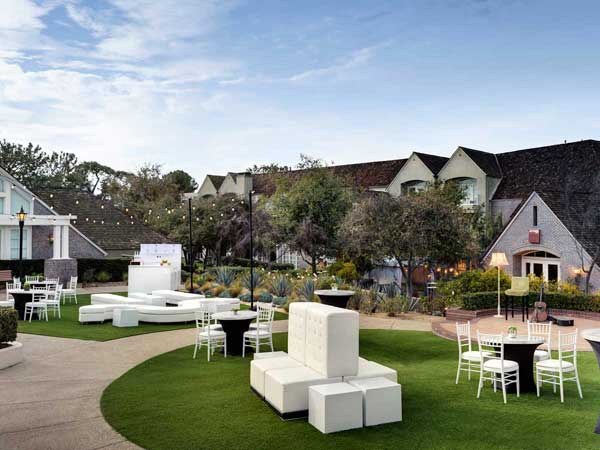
153, 254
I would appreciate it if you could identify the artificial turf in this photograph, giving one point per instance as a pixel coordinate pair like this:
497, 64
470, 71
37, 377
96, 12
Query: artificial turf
68, 325
172, 402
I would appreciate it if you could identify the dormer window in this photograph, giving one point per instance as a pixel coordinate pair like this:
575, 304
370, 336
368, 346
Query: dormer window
413, 187
469, 189
535, 216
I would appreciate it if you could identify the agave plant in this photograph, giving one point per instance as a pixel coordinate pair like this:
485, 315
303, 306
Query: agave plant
256, 278
224, 276
306, 290
280, 286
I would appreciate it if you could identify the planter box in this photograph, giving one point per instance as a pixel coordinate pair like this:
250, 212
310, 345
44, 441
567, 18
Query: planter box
11, 355
464, 315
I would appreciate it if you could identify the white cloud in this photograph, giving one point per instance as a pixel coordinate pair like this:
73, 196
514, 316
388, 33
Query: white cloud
354, 60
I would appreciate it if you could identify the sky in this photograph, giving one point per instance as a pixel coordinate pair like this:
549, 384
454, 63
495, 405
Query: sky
215, 86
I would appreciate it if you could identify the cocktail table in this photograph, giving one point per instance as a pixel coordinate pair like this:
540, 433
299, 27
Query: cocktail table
235, 324
521, 350
334, 297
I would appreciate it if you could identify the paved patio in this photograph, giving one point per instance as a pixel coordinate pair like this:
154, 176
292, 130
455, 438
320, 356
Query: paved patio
447, 329
52, 400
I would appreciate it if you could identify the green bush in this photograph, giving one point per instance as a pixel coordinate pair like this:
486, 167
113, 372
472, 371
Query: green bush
115, 267
88, 276
30, 266
8, 325
103, 276
554, 300
348, 272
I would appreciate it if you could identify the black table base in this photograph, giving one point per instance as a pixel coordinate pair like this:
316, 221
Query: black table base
339, 301
596, 347
523, 355
20, 299
235, 329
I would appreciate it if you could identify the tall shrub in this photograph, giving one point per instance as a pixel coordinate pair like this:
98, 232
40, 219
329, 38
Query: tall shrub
8, 325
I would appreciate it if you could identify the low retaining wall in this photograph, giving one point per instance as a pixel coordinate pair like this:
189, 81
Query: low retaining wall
11, 355
463, 315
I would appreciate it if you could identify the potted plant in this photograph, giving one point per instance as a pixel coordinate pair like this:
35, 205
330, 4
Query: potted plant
11, 352
512, 332
26, 286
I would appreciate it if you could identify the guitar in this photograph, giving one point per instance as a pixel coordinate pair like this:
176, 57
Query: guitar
540, 313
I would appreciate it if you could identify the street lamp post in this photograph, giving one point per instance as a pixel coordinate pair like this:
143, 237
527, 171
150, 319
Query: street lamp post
21, 215
191, 252
251, 251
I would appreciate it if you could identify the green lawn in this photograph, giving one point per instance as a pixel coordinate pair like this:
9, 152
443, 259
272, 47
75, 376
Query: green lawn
172, 402
69, 327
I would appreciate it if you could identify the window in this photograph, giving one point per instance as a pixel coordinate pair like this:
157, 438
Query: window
413, 187
1, 205
14, 243
535, 217
468, 186
17, 201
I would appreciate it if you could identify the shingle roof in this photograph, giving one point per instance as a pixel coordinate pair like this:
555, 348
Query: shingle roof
216, 180
486, 161
360, 175
107, 235
433, 162
547, 169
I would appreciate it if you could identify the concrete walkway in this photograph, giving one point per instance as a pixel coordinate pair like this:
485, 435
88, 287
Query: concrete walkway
52, 400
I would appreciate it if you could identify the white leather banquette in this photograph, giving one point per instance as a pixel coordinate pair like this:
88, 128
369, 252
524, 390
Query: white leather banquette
322, 349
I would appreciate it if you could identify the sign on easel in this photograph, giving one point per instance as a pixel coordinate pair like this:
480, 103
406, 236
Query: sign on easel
153, 254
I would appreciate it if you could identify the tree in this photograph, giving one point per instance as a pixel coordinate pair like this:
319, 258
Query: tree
309, 212
268, 168
427, 227
94, 175
183, 181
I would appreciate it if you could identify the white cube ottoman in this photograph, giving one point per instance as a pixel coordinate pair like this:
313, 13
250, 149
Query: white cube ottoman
286, 390
125, 317
335, 407
259, 367
382, 400
267, 355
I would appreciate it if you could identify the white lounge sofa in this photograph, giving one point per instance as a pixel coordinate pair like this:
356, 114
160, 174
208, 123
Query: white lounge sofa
103, 305
149, 299
174, 297
112, 299
322, 348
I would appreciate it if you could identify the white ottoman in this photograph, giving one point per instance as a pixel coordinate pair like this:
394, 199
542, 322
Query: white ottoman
382, 400
260, 366
92, 313
335, 407
125, 317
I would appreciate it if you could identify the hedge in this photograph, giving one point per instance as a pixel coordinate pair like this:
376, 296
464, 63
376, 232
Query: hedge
8, 325
557, 300
116, 268
29, 266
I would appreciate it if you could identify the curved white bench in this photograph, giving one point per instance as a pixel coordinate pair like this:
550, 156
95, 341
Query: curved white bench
175, 297
112, 299
103, 305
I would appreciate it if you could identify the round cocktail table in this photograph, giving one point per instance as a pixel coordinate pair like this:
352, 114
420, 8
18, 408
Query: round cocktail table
333, 297
235, 324
593, 337
521, 350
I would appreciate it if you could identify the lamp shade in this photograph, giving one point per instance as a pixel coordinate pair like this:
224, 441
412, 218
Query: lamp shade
21, 215
499, 260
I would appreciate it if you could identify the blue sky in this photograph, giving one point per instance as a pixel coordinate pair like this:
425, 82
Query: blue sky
212, 86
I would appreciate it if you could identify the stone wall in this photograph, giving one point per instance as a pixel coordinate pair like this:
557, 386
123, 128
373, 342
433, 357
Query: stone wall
62, 269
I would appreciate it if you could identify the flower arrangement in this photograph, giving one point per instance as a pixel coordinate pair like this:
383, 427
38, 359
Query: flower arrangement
512, 332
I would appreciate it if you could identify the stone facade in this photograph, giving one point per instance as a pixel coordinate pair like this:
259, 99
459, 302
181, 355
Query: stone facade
555, 239
63, 269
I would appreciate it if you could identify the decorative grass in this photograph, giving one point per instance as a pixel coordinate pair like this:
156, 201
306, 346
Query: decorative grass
69, 327
172, 402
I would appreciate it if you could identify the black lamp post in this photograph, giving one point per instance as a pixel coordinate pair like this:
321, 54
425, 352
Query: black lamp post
21, 215
251, 251
191, 250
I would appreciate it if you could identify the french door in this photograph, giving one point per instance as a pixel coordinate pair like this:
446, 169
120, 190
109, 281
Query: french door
546, 268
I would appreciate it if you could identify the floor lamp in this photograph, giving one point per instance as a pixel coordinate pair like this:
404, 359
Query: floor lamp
498, 260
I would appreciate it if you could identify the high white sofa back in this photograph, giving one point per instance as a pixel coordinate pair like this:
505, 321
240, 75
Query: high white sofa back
297, 330
331, 340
